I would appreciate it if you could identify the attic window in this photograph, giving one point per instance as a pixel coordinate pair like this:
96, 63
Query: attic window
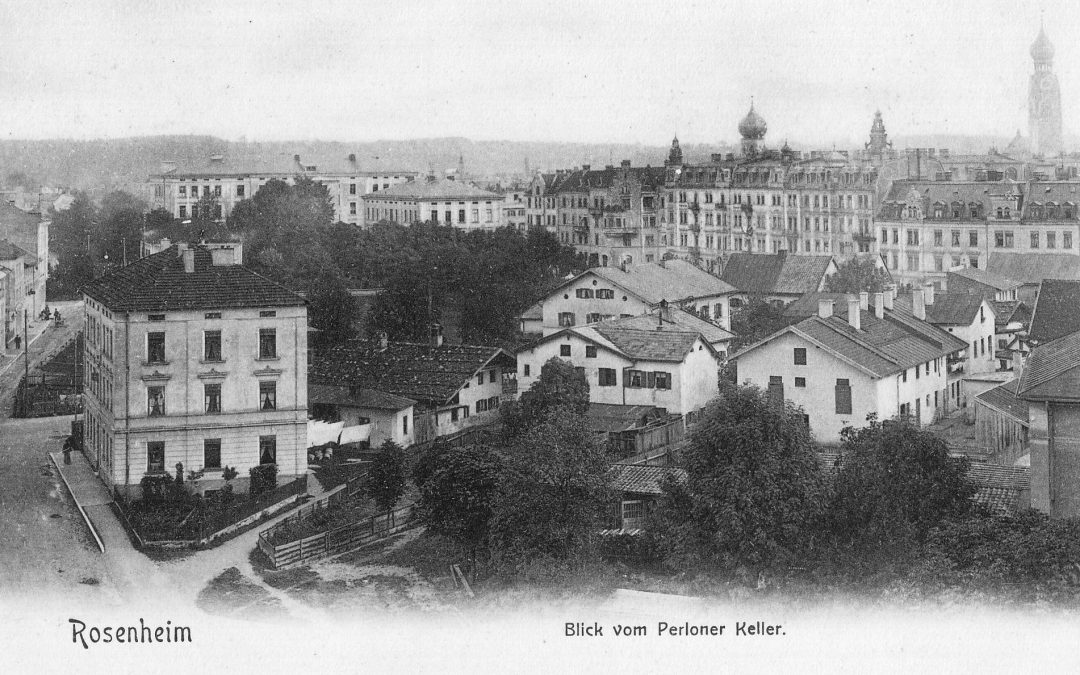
268, 313
212, 315
155, 317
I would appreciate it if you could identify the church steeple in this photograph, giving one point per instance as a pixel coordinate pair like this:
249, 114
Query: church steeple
675, 156
1044, 100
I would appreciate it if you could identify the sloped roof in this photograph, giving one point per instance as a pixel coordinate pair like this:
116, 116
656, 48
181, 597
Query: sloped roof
1031, 268
19, 227
580, 180
417, 371
1057, 310
650, 345
881, 347
1051, 371
642, 479
671, 280
947, 192
535, 311
1008, 311
285, 164
807, 304
985, 277
158, 283
1058, 192
439, 189
9, 251
611, 417
676, 319
1003, 397
776, 273
357, 397
949, 309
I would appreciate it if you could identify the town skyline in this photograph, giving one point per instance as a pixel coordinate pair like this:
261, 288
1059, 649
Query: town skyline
526, 74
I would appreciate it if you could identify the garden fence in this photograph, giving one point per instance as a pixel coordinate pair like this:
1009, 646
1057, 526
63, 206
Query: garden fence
334, 541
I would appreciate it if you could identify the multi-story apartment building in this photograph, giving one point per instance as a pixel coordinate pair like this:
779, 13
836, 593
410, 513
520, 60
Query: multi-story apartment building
609, 214
180, 185
193, 359
446, 202
24, 266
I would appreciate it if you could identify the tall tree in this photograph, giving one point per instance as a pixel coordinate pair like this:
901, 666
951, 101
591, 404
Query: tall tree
332, 311
386, 477
457, 496
560, 386
856, 276
753, 491
755, 320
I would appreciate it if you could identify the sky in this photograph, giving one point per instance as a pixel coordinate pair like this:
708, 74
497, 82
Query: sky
625, 71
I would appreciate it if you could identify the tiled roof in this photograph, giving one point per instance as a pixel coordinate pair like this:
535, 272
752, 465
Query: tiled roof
357, 397
650, 345
948, 192
1009, 311
439, 189
949, 309
776, 273
641, 479
535, 311
881, 347
1051, 371
807, 304
986, 277
1045, 192
1003, 397
158, 283
414, 370
9, 251
611, 417
1057, 310
677, 319
672, 280
1031, 268
580, 180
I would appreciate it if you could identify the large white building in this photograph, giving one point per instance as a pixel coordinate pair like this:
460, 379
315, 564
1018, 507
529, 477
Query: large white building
180, 185
869, 357
445, 202
191, 358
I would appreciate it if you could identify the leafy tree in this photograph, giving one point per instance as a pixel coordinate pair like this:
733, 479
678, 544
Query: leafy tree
856, 276
456, 498
553, 497
332, 311
753, 488
755, 320
428, 460
120, 230
386, 478
560, 386
894, 484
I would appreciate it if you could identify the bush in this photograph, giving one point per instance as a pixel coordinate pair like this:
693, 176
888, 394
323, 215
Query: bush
157, 488
263, 479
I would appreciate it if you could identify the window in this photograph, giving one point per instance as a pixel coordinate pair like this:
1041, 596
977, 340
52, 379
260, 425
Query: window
461, 215
491, 376
267, 449
155, 401
212, 453
584, 293
405, 424
526, 370
1034, 240
155, 347
183, 211
607, 377
155, 456
594, 317
212, 315
955, 237
590, 351
800, 381
239, 190
566, 319
938, 237
267, 343
776, 389
843, 397
1066, 240
212, 345
212, 397
183, 191
973, 237
1051, 240
268, 395
663, 380
913, 261
912, 237
564, 350
605, 294
800, 356
635, 378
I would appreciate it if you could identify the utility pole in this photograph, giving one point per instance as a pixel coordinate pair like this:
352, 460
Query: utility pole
123, 241
26, 357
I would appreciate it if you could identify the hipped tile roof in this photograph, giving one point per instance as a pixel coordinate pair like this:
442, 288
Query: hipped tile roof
1051, 371
357, 397
1057, 310
650, 345
641, 479
158, 283
439, 189
671, 280
760, 273
1003, 397
1031, 268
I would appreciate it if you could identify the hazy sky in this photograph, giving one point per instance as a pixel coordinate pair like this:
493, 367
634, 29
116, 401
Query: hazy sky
620, 71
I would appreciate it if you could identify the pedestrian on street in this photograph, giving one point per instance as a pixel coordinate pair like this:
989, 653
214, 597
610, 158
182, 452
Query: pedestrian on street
18, 342
67, 450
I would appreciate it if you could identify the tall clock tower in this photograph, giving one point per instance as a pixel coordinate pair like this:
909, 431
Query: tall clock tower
1044, 100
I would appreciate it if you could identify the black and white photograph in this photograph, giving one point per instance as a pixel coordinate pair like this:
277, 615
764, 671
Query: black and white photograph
539, 336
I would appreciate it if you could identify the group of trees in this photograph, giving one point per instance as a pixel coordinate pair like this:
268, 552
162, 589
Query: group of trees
757, 499
533, 500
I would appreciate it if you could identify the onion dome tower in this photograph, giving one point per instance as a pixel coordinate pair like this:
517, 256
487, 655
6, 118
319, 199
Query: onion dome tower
752, 128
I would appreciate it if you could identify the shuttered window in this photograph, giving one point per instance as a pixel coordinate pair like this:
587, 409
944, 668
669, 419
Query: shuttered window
843, 397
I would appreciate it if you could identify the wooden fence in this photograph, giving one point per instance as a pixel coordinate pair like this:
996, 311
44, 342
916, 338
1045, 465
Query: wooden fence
335, 541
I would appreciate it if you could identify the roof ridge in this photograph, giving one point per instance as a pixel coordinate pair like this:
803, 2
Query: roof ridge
861, 342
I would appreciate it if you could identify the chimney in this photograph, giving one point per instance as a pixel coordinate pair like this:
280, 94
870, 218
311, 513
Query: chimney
436, 335
225, 255
824, 308
879, 305
918, 308
296, 158
928, 294
585, 167
625, 164
384, 341
864, 301
352, 158
189, 260
854, 319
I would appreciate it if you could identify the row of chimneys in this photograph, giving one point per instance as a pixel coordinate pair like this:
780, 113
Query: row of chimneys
221, 255
625, 164
920, 300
